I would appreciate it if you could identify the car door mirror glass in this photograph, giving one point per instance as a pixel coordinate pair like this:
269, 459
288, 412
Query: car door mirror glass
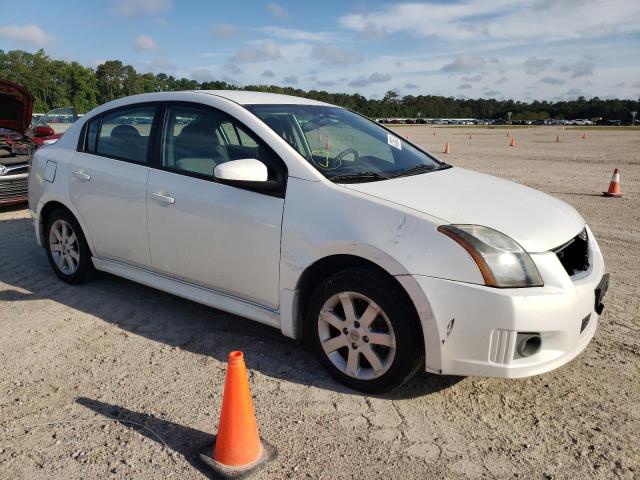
245, 170
43, 131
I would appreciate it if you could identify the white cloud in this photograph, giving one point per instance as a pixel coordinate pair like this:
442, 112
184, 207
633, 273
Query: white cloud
582, 69
375, 77
552, 80
465, 63
295, 34
144, 43
27, 34
135, 8
257, 52
534, 65
290, 80
411, 86
465, 86
232, 68
223, 30
268, 74
277, 10
202, 75
501, 19
331, 55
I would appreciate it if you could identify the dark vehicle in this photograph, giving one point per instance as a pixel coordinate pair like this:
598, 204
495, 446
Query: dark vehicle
18, 138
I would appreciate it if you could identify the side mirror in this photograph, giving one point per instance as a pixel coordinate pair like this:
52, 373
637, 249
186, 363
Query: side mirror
43, 131
247, 170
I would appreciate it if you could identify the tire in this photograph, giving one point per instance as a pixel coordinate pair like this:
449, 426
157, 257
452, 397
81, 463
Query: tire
64, 238
382, 322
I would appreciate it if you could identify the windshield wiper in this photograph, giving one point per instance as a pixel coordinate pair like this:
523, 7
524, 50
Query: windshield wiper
367, 176
417, 169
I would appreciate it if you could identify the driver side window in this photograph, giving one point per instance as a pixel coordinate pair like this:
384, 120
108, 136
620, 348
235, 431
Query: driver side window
195, 140
191, 142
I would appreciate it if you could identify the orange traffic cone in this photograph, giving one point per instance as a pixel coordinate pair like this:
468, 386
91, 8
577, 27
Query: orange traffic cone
237, 448
446, 148
513, 142
557, 138
584, 136
614, 186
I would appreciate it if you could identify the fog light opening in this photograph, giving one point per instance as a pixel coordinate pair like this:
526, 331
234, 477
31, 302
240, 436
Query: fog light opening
528, 344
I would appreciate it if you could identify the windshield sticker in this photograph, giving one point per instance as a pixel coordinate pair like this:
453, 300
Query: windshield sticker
394, 141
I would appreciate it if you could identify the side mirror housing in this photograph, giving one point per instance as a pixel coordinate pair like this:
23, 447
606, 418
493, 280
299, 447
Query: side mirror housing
246, 170
43, 131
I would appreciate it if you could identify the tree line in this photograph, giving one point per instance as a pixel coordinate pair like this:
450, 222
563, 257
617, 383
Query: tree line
58, 83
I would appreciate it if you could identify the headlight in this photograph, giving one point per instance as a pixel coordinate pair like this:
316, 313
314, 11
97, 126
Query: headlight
502, 262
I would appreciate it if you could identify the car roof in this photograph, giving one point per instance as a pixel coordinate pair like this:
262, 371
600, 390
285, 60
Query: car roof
260, 98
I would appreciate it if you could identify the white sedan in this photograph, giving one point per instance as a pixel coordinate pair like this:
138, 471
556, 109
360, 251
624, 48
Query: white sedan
317, 221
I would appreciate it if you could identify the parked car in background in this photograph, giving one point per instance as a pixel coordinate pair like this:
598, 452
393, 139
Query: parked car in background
320, 222
19, 138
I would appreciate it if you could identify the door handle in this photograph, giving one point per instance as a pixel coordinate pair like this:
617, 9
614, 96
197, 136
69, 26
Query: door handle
163, 198
81, 176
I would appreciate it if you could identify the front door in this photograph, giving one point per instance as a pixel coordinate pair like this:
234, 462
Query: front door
214, 235
108, 181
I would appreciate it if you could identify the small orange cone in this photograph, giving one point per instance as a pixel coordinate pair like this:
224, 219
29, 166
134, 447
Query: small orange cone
237, 448
614, 186
513, 142
557, 138
584, 136
446, 148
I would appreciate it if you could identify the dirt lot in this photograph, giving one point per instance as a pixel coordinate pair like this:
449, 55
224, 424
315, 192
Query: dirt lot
75, 358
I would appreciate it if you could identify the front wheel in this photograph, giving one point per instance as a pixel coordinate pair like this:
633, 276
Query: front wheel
363, 331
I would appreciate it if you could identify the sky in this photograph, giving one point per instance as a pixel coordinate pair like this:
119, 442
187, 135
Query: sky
524, 50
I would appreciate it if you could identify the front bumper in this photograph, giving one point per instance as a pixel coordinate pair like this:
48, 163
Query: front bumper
479, 325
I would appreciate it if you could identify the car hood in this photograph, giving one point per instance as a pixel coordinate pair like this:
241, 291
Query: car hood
16, 104
537, 221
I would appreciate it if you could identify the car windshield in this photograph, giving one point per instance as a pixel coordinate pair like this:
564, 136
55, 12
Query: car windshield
344, 146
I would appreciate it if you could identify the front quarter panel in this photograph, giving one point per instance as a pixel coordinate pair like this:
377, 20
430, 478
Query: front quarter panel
323, 219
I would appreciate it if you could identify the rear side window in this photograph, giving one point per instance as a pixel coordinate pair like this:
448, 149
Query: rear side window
92, 135
126, 133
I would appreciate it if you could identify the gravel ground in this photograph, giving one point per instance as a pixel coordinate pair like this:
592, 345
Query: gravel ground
115, 380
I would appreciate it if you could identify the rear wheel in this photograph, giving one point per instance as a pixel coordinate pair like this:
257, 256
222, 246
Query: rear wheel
67, 249
363, 331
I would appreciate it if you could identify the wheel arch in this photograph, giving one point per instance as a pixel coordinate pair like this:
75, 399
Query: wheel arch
49, 207
321, 269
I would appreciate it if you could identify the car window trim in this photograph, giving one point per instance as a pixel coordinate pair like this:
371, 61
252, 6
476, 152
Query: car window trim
82, 146
159, 136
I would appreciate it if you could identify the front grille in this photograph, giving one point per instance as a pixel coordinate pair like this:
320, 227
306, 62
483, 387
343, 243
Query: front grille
574, 255
13, 188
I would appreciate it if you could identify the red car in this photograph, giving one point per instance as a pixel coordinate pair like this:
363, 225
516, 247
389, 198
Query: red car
19, 138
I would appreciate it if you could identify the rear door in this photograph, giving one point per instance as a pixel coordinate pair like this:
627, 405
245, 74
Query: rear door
109, 179
221, 237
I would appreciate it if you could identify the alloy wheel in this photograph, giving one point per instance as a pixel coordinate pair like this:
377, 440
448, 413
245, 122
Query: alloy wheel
64, 248
356, 335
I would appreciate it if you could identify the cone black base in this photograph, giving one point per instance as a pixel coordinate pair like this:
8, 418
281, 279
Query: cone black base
221, 471
614, 195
